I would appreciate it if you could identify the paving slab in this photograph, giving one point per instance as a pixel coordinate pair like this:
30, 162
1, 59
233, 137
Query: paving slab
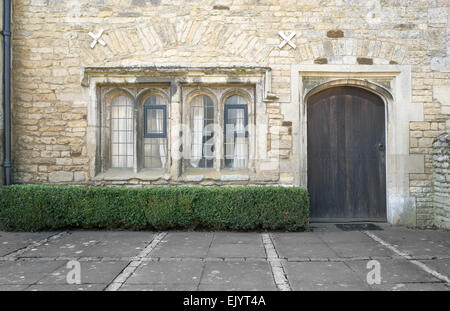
394, 271
323, 227
294, 245
159, 287
94, 244
91, 272
439, 236
344, 237
400, 287
336, 287
423, 248
255, 275
418, 242
184, 244
440, 265
360, 249
167, 272
295, 238
67, 287
188, 260
26, 272
12, 241
15, 288
322, 276
237, 244
397, 233
120, 244
229, 287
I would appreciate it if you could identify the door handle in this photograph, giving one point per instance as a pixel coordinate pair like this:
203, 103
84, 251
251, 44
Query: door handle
381, 147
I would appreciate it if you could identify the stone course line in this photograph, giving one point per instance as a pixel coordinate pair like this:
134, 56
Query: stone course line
409, 257
278, 272
134, 264
14, 255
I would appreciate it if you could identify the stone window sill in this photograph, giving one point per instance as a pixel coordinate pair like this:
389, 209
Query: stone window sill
190, 175
118, 174
197, 175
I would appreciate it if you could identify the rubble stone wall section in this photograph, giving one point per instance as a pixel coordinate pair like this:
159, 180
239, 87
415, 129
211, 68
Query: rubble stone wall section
441, 181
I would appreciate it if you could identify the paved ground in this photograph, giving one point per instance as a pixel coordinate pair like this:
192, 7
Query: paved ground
325, 259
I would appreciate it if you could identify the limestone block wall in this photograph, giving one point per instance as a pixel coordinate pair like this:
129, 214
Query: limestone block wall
441, 181
51, 48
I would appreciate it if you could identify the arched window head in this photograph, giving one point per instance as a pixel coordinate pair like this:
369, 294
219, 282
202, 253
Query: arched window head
236, 132
155, 132
122, 132
202, 132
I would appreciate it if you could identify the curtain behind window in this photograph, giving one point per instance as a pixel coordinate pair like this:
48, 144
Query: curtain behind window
197, 120
161, 141
240, 157
122, 132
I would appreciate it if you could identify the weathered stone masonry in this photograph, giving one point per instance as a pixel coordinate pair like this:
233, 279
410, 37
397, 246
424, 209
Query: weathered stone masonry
51, 49
441, 178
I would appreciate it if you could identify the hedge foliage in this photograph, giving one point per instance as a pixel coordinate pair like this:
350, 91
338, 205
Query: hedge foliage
43, 207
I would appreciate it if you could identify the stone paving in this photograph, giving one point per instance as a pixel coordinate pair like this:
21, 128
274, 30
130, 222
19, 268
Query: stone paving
326, 258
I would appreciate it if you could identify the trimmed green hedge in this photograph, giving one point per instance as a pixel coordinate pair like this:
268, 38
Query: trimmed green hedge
39, 207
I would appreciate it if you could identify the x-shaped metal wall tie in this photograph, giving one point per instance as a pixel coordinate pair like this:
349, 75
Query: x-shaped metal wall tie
287, 39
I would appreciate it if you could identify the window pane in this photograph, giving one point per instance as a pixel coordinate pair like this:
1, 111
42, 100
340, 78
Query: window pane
155, 152
151, 121
155, 114
236, 140
236, 121
155, 140
202, 132
122, 132
232, 100
155, 121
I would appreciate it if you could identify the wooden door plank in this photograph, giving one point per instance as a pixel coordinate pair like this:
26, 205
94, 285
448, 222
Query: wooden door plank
346, 171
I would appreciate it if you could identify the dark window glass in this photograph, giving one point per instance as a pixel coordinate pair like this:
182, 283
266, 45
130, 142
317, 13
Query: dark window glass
155, 132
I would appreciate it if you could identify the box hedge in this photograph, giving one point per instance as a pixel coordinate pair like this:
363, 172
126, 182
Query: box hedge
43, 207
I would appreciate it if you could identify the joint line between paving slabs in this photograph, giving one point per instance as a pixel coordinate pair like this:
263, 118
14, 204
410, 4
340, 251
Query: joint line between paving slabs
274, 260
134, 264
407, 256
204, 262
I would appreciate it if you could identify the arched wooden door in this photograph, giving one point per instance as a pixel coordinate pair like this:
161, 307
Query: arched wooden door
346, 155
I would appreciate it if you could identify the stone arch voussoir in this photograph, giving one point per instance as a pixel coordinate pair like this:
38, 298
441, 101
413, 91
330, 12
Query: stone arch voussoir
351, 51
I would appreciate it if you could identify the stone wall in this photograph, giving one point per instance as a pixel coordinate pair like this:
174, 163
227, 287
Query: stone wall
51, 48
441, 181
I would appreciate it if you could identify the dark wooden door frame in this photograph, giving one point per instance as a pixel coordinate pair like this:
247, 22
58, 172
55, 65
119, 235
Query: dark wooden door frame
385, 105
393, 84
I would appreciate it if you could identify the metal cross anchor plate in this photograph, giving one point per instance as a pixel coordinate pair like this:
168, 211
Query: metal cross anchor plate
97, 38
287, 39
